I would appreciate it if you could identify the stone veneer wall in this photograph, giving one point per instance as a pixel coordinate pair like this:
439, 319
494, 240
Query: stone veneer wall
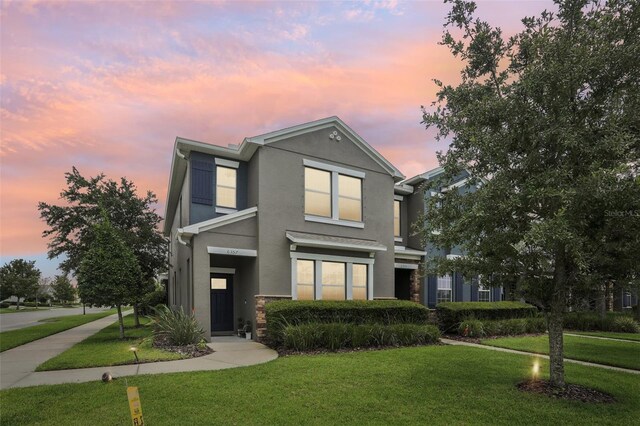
261, 318
414, 289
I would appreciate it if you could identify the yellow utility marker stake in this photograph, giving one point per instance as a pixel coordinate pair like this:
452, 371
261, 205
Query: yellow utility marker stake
135, 406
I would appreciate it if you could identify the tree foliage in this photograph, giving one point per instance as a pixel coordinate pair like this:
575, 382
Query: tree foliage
19, 278
63, 290
109, 271
547, 124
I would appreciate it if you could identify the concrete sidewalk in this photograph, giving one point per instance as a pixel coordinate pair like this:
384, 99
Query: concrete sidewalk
229, 352
513, 351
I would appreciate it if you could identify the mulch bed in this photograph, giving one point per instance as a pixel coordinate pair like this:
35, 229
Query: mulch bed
189, 351
570, 392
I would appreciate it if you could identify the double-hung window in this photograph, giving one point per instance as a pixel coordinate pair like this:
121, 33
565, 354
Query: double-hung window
445, 289
484, 293
226, 183
331, 279
396, 218
332, 194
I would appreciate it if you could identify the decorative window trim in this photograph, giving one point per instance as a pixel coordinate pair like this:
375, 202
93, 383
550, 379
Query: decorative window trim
336, 171
225, 210
318, 259
227, 163
398, 197
397, 239
230, 209
230, 271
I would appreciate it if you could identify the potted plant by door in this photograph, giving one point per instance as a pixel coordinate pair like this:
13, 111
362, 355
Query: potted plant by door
247, 330
240, 327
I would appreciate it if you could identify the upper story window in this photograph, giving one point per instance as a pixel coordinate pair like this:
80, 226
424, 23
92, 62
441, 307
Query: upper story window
226, 182
332, 194
445, 289
396, 218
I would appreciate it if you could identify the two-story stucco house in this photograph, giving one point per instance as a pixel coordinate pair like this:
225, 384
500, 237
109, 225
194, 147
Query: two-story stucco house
410, 202
300, 213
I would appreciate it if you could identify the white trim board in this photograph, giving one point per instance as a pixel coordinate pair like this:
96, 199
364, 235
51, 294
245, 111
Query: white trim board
226, 163
214, 270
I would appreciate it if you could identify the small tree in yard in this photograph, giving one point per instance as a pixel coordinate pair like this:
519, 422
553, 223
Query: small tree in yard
19, 278
547, 124
63, 290
86, 200
109, 271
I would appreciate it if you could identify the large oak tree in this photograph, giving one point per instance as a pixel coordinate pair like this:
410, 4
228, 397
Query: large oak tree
547, 124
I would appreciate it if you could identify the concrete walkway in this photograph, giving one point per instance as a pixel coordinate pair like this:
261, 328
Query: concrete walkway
513, 351
603, 338
229, 352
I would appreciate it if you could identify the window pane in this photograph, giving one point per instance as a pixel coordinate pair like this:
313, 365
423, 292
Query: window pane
349, 198
305, 292
218, 283
444, 282
359, 293
349, 187
350, 209
317, 180
333, 281
396, 218
443, 296
306, 279
226, 197
226, 176
359, 275
317, 204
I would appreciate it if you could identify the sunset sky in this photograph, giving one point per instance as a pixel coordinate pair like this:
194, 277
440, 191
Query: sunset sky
107, 86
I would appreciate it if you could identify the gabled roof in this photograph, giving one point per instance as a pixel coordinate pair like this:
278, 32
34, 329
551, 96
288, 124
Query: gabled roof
422, 177
243, 152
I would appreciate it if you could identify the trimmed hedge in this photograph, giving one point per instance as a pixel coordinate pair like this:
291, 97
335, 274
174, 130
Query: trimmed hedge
451, 314
592, 321
335, 336
283, 313
508, 327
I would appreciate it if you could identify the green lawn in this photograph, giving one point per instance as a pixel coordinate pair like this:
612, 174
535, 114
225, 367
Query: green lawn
423, 385
623, 336
11, 339
105, 348
609, 352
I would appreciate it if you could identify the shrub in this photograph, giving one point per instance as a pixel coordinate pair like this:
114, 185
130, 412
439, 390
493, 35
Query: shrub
175, 327
508, 327
471, 328
281, 314
451, 314
335, 336
625, 325
4, 304
151, 300
593, 321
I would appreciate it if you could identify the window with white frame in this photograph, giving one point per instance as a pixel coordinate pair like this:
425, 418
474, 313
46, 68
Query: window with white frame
331, 278
226, 181
445, 289
305, 279
332, 194
626, 299
396, 218
484, 293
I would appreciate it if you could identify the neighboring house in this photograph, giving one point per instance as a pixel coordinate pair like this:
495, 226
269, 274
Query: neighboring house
300, 213
409, 205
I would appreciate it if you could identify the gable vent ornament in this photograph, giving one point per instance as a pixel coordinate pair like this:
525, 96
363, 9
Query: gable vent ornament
335, 135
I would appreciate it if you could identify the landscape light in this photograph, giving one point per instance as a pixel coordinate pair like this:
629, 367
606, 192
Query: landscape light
536, 369
134, 349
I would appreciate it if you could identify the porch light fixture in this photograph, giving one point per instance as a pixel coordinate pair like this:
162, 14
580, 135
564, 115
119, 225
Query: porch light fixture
135, 353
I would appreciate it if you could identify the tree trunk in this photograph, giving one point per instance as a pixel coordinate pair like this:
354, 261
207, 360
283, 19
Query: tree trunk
18, 304
121, 321
602, 302
136, 315
555, 324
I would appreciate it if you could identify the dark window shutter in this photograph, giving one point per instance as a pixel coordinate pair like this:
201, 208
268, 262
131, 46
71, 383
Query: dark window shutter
432, 290
202, 182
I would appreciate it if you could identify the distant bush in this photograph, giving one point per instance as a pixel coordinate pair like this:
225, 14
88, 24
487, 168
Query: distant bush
507, 327
281, 314
625, 325
4, 304
335, 336
175, 327
451, 314
151, 300
593, 321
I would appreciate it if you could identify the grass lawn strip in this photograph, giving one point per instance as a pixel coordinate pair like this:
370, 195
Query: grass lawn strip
622, 336
608, 352
105, 348
423, 385
13, 338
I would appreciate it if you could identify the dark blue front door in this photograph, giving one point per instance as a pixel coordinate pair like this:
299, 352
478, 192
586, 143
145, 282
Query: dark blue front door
221, 302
